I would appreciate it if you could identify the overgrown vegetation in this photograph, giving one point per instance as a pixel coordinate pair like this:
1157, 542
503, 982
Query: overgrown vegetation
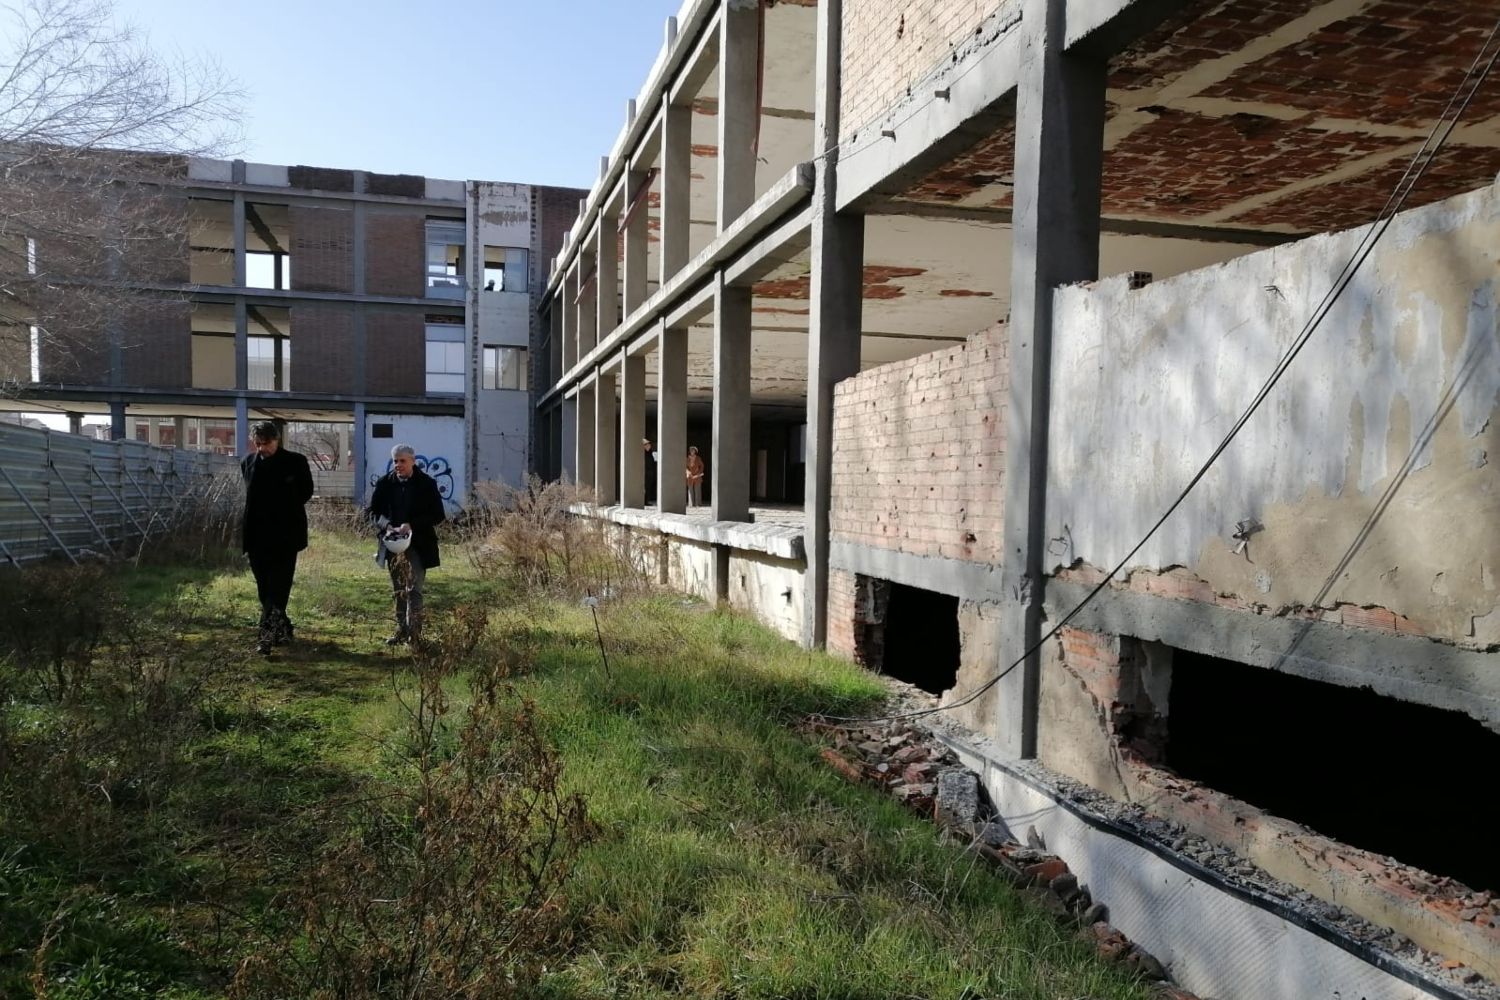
493, 816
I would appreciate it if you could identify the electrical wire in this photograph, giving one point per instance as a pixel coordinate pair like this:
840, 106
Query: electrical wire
1421, 160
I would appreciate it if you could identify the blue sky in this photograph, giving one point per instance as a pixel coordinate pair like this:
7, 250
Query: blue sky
531, 91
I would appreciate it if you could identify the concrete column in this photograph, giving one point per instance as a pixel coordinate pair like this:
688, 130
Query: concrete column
117, 428
241, 425
583, 437
1055, 229
241, 344
75, 423
179, 432
358, 433
834, 320
562, 306
637, 239
676, 178
730, 474
606, 411
238, 223
739, 111
567, 440
671, 420
588, 310
555, 348
607, 275
633, 458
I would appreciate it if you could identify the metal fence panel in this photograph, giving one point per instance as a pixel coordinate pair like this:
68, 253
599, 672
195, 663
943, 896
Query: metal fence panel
67, 495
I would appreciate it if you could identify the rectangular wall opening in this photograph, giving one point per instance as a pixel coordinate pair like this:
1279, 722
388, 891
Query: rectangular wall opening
268, 240
1377, 773
269, 348
907, 633
211, 239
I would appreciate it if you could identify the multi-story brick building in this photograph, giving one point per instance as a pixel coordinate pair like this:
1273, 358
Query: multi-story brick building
957, 297
360, 308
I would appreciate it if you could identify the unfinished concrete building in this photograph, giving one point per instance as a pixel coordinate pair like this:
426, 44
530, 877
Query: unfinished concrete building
359, 308
956, 299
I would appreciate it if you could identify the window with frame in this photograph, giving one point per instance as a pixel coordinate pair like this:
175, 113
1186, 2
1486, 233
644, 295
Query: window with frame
504, 367
445, 260
445, 359
505, 269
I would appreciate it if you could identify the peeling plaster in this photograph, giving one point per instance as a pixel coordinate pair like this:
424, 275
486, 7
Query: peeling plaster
1377, 421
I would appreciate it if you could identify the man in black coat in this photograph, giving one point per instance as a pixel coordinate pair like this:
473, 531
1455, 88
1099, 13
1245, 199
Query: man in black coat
278, 484
407, 499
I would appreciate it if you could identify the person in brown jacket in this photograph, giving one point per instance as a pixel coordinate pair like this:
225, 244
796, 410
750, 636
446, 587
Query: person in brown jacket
694, 477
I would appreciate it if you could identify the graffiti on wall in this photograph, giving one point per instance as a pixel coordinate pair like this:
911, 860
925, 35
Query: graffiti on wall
439, 468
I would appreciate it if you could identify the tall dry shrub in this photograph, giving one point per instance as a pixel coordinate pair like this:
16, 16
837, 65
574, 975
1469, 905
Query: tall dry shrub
541, 535
445, 881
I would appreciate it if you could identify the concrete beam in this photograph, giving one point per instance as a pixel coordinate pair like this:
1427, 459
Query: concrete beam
1124, 227
1059, 163
699, 65
671, 420
739, 112
606, 412
633, 459
730, 474
775, 247
1412, 669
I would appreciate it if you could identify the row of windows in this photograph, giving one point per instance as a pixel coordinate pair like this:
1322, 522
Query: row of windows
505, 268
269, 359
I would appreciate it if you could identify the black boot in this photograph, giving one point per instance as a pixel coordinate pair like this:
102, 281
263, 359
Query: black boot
265, 635
281, 630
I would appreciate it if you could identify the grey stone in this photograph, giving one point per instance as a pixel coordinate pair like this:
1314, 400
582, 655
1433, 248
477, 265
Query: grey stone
957, 797
1096, 913
1034, 839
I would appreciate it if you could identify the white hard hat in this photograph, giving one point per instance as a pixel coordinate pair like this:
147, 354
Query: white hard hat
396, 541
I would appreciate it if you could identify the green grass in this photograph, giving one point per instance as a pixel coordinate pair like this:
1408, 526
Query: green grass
729, 861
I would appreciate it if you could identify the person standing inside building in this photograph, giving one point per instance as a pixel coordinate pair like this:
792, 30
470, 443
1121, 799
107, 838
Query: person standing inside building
278, 484
694, 477
406, 501
650, 464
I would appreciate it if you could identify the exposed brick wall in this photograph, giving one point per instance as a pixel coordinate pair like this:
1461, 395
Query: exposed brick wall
918, 453
158, 346
322, 348
395, 253
557, 210
890, 44
395, 353
841, 607
1183, 585
322, 249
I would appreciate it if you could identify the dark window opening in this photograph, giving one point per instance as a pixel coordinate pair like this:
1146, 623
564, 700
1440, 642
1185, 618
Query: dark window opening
921, 638
1383, 775
382, 430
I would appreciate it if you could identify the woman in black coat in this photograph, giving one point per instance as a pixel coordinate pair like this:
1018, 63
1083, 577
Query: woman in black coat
278, 484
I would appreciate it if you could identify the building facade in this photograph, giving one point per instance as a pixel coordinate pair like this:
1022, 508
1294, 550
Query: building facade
358, 308
959, 300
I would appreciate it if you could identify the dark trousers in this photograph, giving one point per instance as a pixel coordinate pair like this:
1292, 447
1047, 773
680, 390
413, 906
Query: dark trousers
273, 577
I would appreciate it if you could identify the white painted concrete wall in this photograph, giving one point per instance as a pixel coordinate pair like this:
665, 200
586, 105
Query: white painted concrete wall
768, 588
1146, 383
438, 442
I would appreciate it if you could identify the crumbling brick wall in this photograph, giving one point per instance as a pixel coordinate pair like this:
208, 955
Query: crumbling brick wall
322, 249
919, 453
889, 46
